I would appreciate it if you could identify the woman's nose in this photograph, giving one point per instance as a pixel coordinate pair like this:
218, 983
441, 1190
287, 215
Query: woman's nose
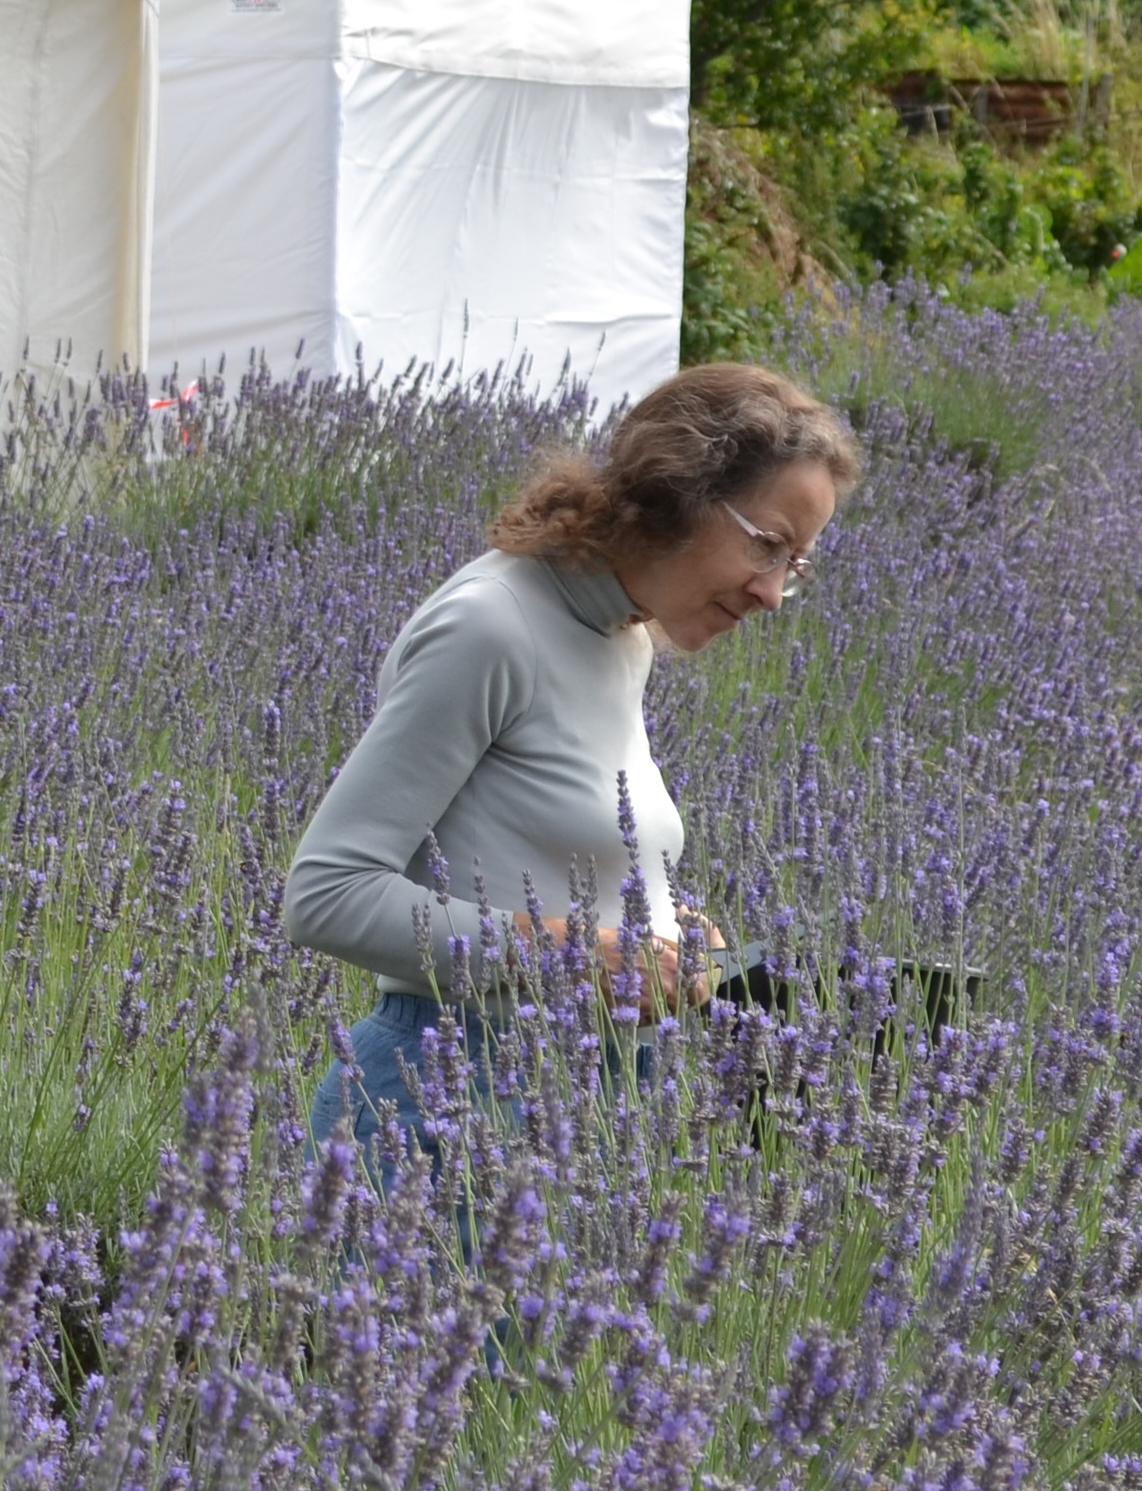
766, 589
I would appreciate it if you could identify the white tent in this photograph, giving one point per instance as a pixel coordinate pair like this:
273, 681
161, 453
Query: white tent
442, 180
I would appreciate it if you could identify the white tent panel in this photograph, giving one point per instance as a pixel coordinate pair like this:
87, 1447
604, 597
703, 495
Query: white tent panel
76, 136
639, 44
245, 212
481, 218
435, 179
245, 184
252, 28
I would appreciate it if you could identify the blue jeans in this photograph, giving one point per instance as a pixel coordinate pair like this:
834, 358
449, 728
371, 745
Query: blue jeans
397, 1024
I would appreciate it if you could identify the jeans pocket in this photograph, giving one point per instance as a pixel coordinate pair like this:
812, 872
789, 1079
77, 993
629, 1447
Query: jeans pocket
329, 1108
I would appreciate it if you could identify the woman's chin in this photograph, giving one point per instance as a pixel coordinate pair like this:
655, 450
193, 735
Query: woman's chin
694, 640
693, 633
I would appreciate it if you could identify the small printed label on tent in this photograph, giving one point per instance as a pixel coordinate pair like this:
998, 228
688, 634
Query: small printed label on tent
256, 7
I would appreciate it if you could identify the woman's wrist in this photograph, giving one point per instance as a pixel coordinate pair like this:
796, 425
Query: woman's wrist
553, 927
551, 931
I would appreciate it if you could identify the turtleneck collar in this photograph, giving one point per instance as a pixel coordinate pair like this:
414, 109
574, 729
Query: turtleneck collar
594, 597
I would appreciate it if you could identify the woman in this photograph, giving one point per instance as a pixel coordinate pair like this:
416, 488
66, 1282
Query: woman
512, 701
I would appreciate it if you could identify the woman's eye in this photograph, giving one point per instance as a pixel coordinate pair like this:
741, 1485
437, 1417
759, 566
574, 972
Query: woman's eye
770, 551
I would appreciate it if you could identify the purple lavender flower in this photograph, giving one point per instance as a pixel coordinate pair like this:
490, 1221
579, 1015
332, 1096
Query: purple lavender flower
937, 761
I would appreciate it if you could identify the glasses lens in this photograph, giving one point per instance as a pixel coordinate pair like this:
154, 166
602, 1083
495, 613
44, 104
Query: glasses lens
798, 580
766, 552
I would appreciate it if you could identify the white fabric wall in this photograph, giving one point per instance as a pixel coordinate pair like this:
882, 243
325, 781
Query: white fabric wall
444, 180
481, 218
513, 181
245, 185
628, 43
77, 112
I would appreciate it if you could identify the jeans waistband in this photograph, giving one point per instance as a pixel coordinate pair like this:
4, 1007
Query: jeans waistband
419, 1011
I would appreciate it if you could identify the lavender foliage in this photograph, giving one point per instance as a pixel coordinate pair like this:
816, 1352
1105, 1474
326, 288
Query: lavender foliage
833, 1243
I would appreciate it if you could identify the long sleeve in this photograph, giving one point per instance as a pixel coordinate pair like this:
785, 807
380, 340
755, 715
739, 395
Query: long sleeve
461, 673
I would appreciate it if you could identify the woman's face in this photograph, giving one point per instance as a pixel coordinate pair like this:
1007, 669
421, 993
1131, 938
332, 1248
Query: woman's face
710, 586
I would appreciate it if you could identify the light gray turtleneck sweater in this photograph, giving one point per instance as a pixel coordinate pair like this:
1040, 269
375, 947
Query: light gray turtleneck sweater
507, 707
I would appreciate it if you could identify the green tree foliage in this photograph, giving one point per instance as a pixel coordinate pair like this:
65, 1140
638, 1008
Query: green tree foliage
1009, 15
794, 90
796, 64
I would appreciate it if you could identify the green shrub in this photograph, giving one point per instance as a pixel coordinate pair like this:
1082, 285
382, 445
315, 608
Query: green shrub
732, 285
1091, 204
905, 206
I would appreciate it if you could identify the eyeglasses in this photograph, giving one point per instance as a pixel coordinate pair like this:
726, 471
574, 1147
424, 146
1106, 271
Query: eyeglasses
769, 551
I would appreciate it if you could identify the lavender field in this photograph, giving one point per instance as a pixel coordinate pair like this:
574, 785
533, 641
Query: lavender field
783, 1264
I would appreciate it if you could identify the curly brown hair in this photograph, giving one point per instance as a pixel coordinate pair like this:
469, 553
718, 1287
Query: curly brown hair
707, 435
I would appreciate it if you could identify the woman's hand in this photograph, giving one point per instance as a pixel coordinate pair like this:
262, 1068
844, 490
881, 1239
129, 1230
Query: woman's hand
711, 933
660, 969
658, 964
